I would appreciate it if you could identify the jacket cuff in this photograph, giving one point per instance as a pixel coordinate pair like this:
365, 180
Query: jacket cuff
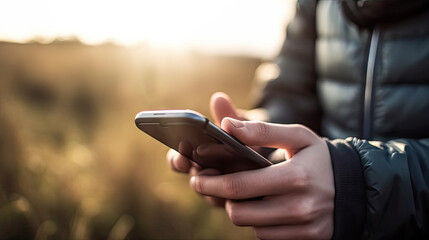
350, 195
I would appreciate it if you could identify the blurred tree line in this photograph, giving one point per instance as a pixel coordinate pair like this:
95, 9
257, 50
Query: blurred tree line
72, 163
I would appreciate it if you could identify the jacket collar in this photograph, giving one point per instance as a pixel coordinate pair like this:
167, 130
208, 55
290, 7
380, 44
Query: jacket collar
367, 13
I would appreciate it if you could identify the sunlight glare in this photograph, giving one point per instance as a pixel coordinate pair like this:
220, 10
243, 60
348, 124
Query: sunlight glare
251, 27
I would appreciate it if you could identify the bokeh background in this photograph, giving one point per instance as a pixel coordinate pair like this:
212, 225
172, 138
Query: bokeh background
73, 74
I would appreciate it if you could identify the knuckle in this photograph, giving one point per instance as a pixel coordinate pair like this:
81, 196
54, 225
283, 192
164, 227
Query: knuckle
314, 232
170, 157
234, 215
177, 162
174, 166
304, 211
234, 187
262, 129
199, 185
259, 233
180, 165
302, 132
301, 180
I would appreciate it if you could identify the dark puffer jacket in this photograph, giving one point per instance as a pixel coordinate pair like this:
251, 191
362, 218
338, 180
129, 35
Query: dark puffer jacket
358, 71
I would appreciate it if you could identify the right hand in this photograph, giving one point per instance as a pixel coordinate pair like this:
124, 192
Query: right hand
221, 106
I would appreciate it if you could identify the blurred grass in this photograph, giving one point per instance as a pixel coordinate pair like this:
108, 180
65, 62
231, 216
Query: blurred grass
72, 163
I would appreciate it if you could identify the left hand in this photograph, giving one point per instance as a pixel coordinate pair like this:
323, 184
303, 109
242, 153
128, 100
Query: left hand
298, 194
221, 106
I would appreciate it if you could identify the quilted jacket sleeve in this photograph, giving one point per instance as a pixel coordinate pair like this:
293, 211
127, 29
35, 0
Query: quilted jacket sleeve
384, 186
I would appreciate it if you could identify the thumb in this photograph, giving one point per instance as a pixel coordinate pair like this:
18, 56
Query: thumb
292, 137
221, 106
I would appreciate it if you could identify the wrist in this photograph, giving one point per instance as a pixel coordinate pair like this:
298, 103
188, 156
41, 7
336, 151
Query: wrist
350, 196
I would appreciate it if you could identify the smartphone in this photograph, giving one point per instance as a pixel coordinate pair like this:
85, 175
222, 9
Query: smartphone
194, 136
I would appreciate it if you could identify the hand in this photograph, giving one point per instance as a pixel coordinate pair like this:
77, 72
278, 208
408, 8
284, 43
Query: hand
221, 106
298, 194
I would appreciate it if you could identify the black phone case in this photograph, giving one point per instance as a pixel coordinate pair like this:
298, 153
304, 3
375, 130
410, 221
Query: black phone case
195, 137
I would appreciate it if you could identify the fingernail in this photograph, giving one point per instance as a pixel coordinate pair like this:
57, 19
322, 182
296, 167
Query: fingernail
236, 123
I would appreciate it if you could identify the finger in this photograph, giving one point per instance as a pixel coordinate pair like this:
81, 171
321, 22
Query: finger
255, 133
314, 230
213, 149
198, 171
221, 106
178, 162
279, 155
193, 171
216, 202
277, 210
268, 181
208, 172
256, 114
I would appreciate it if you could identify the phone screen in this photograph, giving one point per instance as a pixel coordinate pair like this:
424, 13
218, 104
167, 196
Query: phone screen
201, 141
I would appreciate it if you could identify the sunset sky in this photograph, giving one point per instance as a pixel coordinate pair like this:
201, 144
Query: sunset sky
251, 27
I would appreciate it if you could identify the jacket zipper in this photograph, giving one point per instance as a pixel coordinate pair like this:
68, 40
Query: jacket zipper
369, 85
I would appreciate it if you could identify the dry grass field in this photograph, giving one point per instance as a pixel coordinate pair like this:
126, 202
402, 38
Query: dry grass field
72, 163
